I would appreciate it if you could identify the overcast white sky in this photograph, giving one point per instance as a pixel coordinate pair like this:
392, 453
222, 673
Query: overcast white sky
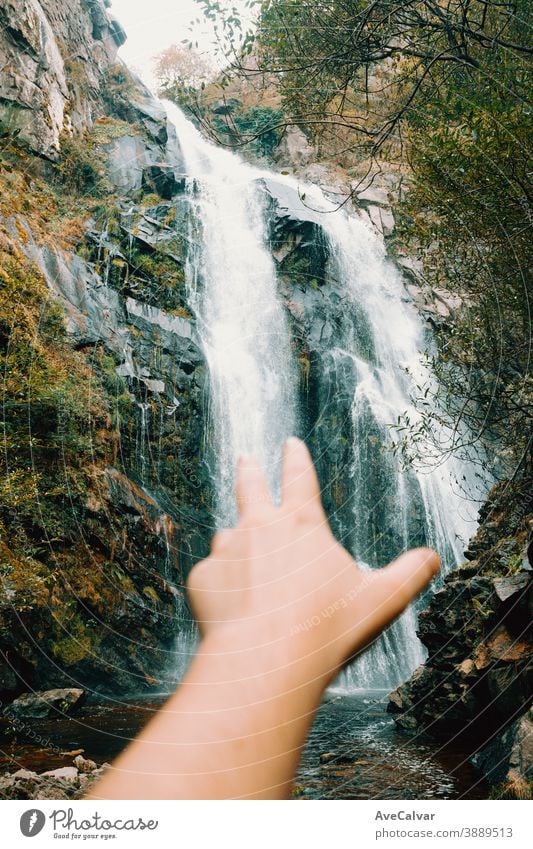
153, 25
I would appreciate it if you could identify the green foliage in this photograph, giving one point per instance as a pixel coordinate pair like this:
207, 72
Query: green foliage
257, 129
155, 277
324, 54
469, 214
23, 584
51, 404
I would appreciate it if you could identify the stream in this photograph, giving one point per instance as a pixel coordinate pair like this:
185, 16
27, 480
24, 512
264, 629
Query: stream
353, 751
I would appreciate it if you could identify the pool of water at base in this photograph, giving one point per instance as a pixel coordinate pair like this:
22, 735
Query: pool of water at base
354, 750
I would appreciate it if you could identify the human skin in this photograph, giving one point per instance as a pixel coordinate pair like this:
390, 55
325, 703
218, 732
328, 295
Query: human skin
281, 607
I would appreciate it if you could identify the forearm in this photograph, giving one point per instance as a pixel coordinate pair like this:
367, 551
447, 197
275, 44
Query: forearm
234, 728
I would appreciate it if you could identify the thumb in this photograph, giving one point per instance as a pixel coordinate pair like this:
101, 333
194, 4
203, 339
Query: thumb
402, 580
386, 592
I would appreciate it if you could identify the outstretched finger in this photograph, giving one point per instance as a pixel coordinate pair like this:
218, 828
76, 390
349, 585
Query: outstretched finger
251, 488
402, 581
383, 594
300, 489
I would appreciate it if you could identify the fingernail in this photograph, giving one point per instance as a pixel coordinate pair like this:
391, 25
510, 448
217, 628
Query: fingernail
293, 442
246, 460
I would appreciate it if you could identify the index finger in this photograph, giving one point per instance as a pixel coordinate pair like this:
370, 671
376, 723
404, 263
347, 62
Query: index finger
251, 488
300, 489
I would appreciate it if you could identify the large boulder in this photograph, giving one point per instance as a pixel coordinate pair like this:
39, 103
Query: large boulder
294, 151
163, 180
50, 703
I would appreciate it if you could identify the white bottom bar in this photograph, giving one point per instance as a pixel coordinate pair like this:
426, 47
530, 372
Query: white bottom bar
268, 825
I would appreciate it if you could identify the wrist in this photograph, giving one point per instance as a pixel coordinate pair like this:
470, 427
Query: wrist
305, 647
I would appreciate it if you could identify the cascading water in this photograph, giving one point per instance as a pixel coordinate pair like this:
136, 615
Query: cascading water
253, 388
393, 508
241, 321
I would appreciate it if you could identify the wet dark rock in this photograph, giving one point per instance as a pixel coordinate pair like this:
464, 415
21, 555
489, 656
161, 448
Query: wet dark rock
222, 107
118, 34
9, 682
50, 703
162, 180
507, 760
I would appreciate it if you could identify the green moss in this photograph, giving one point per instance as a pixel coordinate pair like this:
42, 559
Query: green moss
150, 200
80, 169
106, 130
153, 277
150, 593
23, 584
118, 577
81, 640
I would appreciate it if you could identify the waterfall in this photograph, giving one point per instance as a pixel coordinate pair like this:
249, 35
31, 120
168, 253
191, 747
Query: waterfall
240, 317
246, 338
393, 508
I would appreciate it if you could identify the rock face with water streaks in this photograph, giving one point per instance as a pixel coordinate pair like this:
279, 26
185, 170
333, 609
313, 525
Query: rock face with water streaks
477, 680
315, 305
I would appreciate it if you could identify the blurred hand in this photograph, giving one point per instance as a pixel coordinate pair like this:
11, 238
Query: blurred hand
281, 575
281, 606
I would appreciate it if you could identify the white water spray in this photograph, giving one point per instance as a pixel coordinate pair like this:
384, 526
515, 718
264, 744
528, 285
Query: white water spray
241, 321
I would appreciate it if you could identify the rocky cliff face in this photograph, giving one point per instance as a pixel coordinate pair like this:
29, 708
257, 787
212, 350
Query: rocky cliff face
103, 503
477, 681
54, 59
